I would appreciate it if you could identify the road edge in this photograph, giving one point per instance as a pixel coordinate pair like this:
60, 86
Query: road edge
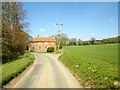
72, 73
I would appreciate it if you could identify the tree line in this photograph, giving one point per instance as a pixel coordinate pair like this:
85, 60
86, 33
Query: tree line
63, 40
14, 38
93, 41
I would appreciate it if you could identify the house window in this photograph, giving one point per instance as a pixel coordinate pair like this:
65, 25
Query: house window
33, 42
39, 47
45, 47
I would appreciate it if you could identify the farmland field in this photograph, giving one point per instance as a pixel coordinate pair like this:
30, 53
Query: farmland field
95, 65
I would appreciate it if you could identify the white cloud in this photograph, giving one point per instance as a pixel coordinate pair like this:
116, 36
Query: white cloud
93, 34
42, 30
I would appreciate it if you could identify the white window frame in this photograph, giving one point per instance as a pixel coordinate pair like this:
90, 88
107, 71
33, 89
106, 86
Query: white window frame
40, 43
46, 42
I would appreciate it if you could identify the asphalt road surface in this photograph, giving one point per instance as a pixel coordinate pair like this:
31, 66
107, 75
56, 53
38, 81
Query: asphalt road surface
47, 72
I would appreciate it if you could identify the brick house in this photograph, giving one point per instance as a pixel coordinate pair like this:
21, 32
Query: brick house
40, 44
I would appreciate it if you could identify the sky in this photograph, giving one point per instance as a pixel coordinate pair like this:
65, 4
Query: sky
82, 20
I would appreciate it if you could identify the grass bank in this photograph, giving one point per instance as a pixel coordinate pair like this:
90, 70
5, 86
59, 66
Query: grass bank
95, 65
12, 69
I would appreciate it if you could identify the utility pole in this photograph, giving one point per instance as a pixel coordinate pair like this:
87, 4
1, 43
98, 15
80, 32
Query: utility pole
58, 28
59, 32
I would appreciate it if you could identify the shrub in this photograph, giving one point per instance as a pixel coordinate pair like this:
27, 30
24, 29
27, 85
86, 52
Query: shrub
9, 57
85, 43
12, 69
60, 46
50, 49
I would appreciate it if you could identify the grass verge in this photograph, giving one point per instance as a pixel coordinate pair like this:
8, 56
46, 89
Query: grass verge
12, 69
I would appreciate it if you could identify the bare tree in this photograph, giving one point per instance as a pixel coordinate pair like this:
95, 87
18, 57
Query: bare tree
79, 41
92, 41
72, 41
62, 39
14, 14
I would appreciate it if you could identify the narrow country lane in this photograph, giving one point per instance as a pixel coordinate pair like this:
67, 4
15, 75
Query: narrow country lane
47, 72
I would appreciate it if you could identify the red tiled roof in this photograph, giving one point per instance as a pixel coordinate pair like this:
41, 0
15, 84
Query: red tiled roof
43, 39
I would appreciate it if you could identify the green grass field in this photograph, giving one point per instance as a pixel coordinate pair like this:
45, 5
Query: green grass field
95, 65
12, 69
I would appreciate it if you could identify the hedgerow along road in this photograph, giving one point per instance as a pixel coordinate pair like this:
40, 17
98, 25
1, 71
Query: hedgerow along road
47, 72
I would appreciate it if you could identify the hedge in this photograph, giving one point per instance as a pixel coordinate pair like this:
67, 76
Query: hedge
12, 69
